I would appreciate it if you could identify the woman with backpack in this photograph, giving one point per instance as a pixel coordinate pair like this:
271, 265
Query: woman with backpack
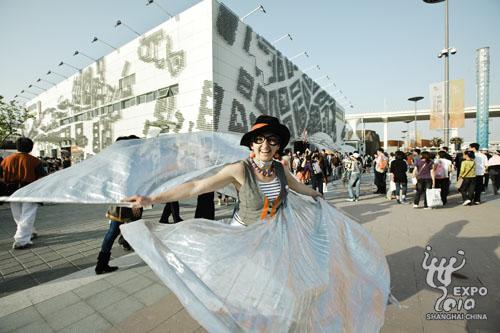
467, 176
422, 173
441, 171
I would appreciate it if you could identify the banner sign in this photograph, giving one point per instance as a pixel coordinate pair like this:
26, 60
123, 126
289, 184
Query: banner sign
482, 95
436, 93
457, 103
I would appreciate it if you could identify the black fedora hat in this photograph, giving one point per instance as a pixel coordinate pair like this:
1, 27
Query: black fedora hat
267, 124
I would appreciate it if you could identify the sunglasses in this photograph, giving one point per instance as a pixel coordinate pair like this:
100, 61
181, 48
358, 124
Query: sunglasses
272, 140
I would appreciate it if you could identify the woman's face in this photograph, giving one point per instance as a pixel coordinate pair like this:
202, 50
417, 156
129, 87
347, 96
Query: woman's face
265, 146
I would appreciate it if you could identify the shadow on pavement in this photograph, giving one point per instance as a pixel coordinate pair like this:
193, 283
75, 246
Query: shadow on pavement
408, 277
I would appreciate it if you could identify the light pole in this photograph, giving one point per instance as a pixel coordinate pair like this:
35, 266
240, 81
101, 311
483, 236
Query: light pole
299, 54
52, 72
119, 22
311, 67
282, 37
405, 137
95, 39
408, 131
162, 9
42, 80
445, 53
415, 99
83, 54
259, 7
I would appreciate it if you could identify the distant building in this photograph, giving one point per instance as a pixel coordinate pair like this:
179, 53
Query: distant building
202, 70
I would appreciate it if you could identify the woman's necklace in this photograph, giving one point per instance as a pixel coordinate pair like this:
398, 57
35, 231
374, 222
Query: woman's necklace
260, 166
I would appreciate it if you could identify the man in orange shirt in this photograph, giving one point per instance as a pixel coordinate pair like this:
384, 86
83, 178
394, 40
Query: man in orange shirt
18, 170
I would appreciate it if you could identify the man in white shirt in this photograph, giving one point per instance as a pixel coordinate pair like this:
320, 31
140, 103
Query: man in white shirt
481, 162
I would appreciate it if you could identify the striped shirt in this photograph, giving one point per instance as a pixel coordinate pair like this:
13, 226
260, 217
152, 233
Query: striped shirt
271, 190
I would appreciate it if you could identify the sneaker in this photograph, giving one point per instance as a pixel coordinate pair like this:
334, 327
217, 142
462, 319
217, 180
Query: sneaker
17, 246
477, 203
466, 202
350, 200
34, 235
398, 201
356, 199
415, 206
404, 202
427, 208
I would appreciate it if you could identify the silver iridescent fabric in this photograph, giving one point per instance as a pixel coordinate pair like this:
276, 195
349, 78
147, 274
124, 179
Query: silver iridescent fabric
309, 269
143, 166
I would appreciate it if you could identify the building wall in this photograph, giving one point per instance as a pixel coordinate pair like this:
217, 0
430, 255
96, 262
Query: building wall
251, 78
201, 70
150, 85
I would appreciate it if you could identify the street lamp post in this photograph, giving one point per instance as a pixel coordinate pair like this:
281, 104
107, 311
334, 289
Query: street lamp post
445, 53
415, 99
303, 53
259, 8
95, 39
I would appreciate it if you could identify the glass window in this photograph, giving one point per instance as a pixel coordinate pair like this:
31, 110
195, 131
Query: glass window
174, 90
151, 96
116, 106
162, 92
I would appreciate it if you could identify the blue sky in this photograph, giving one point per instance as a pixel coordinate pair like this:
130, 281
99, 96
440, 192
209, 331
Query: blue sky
378, 53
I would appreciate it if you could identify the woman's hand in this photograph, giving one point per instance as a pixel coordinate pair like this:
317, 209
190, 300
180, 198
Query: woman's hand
136, 212
139, 201
317, 195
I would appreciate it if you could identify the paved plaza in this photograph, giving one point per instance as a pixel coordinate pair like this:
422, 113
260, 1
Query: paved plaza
52, 287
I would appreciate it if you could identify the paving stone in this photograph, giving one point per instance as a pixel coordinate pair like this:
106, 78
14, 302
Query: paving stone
57, 303
152, 293
38, 268
92, 288
135, 284
106, 298
120, 310
179, 322
36, 327
19, 319
93, 323
68, 315
120, 276
12, 269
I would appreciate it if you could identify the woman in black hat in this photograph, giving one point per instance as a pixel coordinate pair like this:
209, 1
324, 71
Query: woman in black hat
261, 181
286, 263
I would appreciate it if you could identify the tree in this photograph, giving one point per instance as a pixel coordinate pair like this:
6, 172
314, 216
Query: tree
457, 141
436, 141
12, 119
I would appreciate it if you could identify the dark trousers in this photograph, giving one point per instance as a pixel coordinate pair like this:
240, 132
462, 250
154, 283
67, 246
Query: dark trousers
468, 188
444, 185
171, 208
495, 182
109, 238
486, 181
317, 182
422, 186
205, 206
401, 189
478, 188
380, 182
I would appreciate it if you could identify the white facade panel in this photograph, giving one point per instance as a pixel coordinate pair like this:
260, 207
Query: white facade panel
201, 70
254, 78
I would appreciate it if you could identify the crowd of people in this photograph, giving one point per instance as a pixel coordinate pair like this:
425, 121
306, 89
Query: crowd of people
473, 167
262, 184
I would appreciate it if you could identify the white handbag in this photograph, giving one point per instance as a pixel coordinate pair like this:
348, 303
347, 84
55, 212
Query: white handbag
433, 196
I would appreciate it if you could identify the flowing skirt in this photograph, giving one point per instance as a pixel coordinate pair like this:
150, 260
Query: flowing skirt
309, 269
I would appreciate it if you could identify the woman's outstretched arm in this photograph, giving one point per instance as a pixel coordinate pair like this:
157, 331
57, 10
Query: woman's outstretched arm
232, 173
298, 187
